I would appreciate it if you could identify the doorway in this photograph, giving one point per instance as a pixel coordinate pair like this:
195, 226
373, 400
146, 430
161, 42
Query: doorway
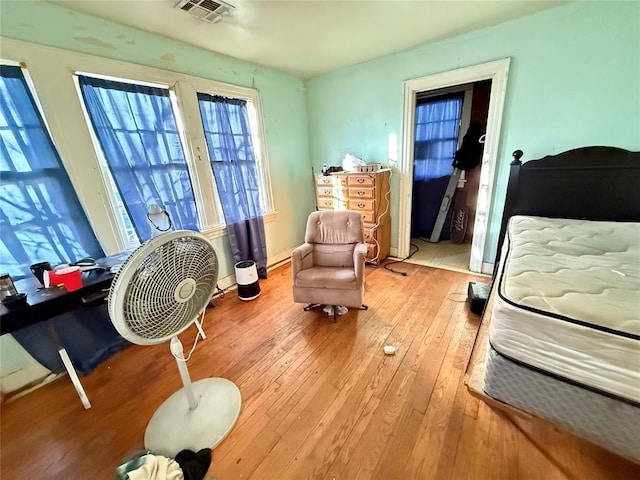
444, 199
496, 72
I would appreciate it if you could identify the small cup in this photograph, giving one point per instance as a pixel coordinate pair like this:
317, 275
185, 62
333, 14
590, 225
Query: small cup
70, 277
38, 270
7, 288
18, 300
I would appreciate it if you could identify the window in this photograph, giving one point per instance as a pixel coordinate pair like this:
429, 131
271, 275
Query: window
231, 153
156, 146
41, 218
436, 138
137, 131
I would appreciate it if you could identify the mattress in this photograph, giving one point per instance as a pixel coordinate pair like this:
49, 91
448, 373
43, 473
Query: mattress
603, 420
568, 302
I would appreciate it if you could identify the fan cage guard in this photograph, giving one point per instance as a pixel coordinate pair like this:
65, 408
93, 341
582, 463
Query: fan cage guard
163, 286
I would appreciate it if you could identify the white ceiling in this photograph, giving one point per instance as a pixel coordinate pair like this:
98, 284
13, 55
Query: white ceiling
306, 38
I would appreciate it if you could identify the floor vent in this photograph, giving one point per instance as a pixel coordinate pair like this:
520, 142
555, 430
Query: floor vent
206, 10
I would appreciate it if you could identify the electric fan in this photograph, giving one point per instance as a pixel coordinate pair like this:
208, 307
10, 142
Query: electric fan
157, 294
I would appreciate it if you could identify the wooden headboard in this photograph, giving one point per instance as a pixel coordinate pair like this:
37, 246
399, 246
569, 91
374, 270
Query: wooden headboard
593, 183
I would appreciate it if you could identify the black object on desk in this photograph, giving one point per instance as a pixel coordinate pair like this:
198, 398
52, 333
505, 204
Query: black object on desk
19, 300
55, 317
44, 303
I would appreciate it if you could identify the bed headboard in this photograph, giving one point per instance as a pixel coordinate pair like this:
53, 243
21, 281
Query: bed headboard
594, 183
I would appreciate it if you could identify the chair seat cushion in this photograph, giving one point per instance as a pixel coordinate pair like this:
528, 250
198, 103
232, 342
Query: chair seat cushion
326, 277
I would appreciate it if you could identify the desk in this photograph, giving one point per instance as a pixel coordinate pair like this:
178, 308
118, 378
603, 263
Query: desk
45, 304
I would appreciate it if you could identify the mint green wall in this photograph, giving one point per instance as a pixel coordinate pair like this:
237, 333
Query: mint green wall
283, 97
574, 81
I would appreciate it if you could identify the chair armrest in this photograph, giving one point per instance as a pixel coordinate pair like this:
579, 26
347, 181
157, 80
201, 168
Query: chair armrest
359, 256
302, 257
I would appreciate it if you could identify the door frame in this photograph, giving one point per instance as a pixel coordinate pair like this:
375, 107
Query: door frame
496, 71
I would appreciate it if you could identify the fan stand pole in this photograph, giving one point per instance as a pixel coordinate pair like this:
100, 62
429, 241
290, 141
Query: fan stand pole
178, 353
174, 427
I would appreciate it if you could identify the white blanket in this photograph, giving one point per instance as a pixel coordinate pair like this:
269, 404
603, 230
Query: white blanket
157, 467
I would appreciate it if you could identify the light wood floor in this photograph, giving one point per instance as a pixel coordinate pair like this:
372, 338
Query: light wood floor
444, 254
321, 400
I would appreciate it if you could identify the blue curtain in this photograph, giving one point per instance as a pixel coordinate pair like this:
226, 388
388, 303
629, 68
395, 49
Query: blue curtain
436, 140
41, 218
228, 135
137, 131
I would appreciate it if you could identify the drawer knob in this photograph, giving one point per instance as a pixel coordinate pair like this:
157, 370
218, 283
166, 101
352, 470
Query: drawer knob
361, 205
360, 180
360, 192
327, 204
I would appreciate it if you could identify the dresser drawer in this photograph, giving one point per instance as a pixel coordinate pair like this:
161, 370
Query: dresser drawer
329, 204
370, 232
372, 250
363, 180
369, 235
327, 191
367, 216
361, 192
360, 204
342, 180
325, 181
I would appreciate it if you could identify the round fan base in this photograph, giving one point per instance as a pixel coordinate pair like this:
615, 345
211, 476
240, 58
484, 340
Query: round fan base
174, 427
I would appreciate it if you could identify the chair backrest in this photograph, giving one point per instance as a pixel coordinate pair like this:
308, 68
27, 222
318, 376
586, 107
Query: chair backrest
334, 226
334, 234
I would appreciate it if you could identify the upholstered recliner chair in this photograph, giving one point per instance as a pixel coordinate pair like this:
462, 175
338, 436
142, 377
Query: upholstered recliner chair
328, 269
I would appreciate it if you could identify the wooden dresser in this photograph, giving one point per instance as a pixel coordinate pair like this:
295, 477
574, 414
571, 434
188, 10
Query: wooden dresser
367, 193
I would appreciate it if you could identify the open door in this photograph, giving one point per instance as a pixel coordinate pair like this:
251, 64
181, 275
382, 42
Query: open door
496, 72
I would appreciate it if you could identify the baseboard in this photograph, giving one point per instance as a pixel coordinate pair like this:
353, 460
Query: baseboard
24, 378
229, 282
279, 259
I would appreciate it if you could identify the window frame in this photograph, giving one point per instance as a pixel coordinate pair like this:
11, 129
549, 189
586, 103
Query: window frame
187, 97
39, 110
183, 96
115, 200
53, 78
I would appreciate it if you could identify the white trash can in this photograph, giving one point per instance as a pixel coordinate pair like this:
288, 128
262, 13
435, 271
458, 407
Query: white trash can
247, 279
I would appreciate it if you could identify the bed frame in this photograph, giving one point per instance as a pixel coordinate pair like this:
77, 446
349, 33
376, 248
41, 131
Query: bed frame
591, 183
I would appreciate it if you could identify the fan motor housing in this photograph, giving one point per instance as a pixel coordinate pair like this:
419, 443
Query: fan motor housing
185, 290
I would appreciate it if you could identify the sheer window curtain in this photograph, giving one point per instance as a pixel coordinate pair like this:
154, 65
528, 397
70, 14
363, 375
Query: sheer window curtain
228, 136
137, 131
436, 138
41, 218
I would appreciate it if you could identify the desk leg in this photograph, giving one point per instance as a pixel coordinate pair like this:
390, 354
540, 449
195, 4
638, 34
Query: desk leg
74, 378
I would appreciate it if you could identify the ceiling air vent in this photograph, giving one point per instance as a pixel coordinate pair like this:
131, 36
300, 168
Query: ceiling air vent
206, 10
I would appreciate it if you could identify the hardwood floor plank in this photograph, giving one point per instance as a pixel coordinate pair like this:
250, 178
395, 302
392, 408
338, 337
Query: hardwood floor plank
437, 420
398, 456
320, 400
